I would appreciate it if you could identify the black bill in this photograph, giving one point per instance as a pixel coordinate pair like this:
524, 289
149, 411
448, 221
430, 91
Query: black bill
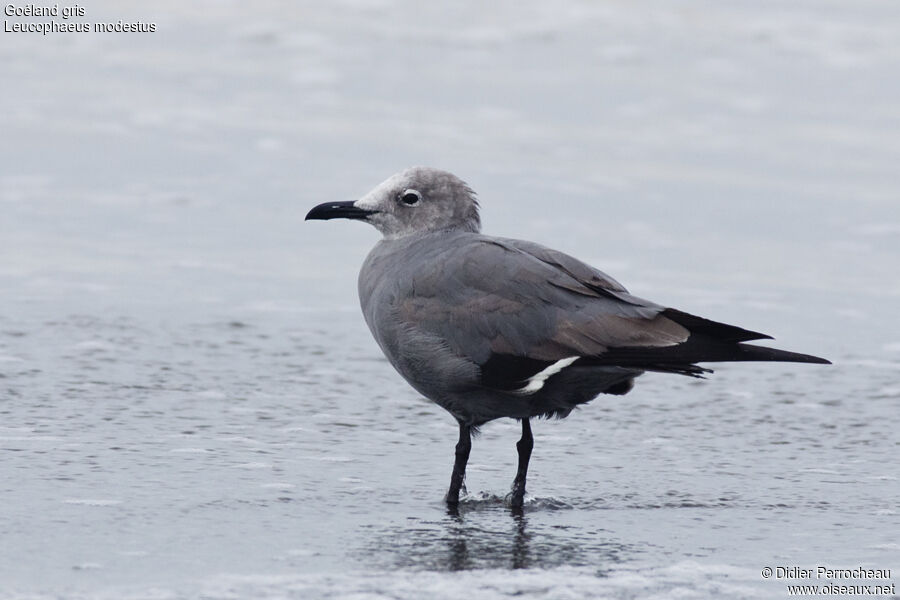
338, 210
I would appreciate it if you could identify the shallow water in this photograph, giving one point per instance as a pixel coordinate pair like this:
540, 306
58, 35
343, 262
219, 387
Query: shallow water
191, 403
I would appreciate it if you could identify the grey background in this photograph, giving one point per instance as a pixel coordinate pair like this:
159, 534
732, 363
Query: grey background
192, 406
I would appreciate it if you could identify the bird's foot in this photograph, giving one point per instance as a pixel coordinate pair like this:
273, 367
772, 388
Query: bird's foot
516, 497
454, 494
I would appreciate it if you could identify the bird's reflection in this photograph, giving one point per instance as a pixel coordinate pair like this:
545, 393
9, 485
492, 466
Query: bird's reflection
460, 538
520, 554
488, 534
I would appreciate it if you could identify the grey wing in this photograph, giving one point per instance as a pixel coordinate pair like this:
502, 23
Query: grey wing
514, 308
585, 275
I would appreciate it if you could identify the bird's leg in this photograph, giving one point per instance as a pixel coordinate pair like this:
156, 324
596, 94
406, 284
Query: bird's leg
524, 447
463, 446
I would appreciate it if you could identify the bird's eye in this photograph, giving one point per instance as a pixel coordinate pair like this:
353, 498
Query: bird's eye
410, 197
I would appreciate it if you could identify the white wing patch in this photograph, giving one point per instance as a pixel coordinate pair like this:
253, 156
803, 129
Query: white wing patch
536, 381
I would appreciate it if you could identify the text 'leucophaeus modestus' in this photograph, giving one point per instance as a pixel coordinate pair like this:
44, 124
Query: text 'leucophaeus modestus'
490, 327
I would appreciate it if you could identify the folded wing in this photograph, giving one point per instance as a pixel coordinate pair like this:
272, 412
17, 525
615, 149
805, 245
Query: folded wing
517, 309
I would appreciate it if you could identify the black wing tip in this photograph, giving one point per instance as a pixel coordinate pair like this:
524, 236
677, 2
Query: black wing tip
818, 360
714, 329
809, 358
764, 353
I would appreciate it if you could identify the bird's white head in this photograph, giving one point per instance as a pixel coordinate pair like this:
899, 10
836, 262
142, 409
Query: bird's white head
417, 200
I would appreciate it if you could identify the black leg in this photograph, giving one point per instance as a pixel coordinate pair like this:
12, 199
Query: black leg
463, 446
524, 447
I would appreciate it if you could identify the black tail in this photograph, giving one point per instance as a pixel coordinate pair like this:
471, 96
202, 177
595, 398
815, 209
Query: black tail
709, 341
712, 341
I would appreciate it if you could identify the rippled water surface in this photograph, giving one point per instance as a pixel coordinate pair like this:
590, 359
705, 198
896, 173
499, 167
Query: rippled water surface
192, 405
